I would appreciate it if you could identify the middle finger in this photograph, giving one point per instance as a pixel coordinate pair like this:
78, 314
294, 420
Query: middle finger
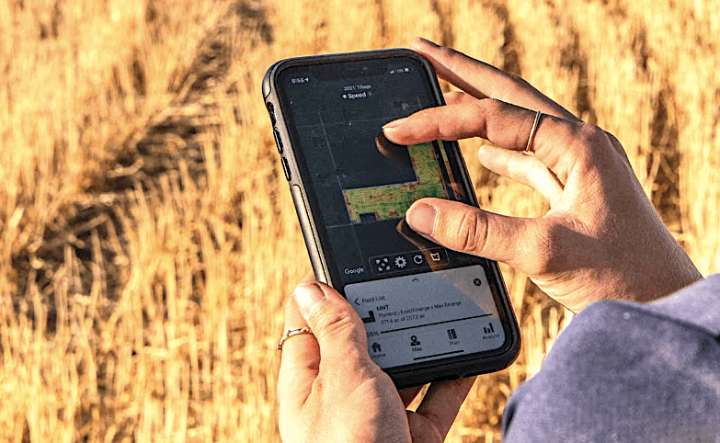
502, 124
482, 80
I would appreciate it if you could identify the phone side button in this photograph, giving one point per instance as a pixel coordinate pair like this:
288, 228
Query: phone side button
278, 140
286, 168
271, 111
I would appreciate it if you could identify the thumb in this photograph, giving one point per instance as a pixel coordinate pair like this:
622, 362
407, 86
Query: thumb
473, 231
337, 327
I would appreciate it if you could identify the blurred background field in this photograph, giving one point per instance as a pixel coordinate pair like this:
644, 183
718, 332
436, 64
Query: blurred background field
147, 240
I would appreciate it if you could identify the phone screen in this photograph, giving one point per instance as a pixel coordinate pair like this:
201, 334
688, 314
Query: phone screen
419, 302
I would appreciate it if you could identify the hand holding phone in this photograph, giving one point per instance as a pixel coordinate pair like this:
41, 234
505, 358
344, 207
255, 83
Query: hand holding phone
615, 255
430, 313
330, 390
601, 238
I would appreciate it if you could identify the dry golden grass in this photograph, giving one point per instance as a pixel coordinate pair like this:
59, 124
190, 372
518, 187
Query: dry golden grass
147, 241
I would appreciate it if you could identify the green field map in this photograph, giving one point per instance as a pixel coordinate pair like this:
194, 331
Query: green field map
391, 201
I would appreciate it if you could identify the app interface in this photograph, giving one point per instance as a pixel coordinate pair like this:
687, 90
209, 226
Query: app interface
419, 301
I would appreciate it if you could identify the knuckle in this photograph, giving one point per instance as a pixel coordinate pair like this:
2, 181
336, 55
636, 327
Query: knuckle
493, 105
487, 110
471, 232
612, 138
451, 56
331, 320
589, 133
590, 141
617, 146
446, 51
431, 121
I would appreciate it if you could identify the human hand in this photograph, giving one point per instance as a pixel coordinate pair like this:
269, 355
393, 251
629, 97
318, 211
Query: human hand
601, 237
330, 390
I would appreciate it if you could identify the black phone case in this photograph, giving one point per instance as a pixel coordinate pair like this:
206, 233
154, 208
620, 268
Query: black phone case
415, 374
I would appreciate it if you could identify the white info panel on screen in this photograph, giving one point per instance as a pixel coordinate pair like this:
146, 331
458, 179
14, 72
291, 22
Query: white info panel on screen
422, 317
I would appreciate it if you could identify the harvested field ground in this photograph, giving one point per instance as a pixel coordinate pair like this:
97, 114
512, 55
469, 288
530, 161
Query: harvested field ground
147, 239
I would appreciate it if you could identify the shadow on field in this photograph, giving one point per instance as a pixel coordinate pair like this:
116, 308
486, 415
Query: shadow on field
172, 144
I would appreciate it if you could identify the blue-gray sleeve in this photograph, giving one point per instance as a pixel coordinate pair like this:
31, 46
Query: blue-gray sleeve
628, 372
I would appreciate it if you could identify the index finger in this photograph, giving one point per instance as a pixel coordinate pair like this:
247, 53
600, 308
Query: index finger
502, 124
482, 80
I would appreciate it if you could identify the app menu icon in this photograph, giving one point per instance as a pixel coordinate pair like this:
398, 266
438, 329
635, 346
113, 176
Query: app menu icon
384, 264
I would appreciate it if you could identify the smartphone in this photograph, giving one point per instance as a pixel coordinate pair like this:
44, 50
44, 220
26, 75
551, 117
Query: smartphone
430, 313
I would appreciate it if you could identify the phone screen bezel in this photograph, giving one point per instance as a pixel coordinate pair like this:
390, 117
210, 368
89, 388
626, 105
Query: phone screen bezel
295, 156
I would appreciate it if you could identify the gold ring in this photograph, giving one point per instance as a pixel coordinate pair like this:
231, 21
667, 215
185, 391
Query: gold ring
535, 125
292, 333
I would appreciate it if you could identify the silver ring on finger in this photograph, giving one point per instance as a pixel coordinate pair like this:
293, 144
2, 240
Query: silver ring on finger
529, 147
290, 333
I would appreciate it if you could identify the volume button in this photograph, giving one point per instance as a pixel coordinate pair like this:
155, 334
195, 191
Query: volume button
286, 168
278, 140
271, 111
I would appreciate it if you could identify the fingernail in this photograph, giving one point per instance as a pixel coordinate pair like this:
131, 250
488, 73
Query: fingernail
395, 123
483, 152
421, 217
307, 295
423, 40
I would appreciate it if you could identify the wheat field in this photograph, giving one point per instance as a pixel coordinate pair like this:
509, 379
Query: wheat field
147, 239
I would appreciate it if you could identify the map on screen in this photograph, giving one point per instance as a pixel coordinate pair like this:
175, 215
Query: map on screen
372, 203
362, 184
